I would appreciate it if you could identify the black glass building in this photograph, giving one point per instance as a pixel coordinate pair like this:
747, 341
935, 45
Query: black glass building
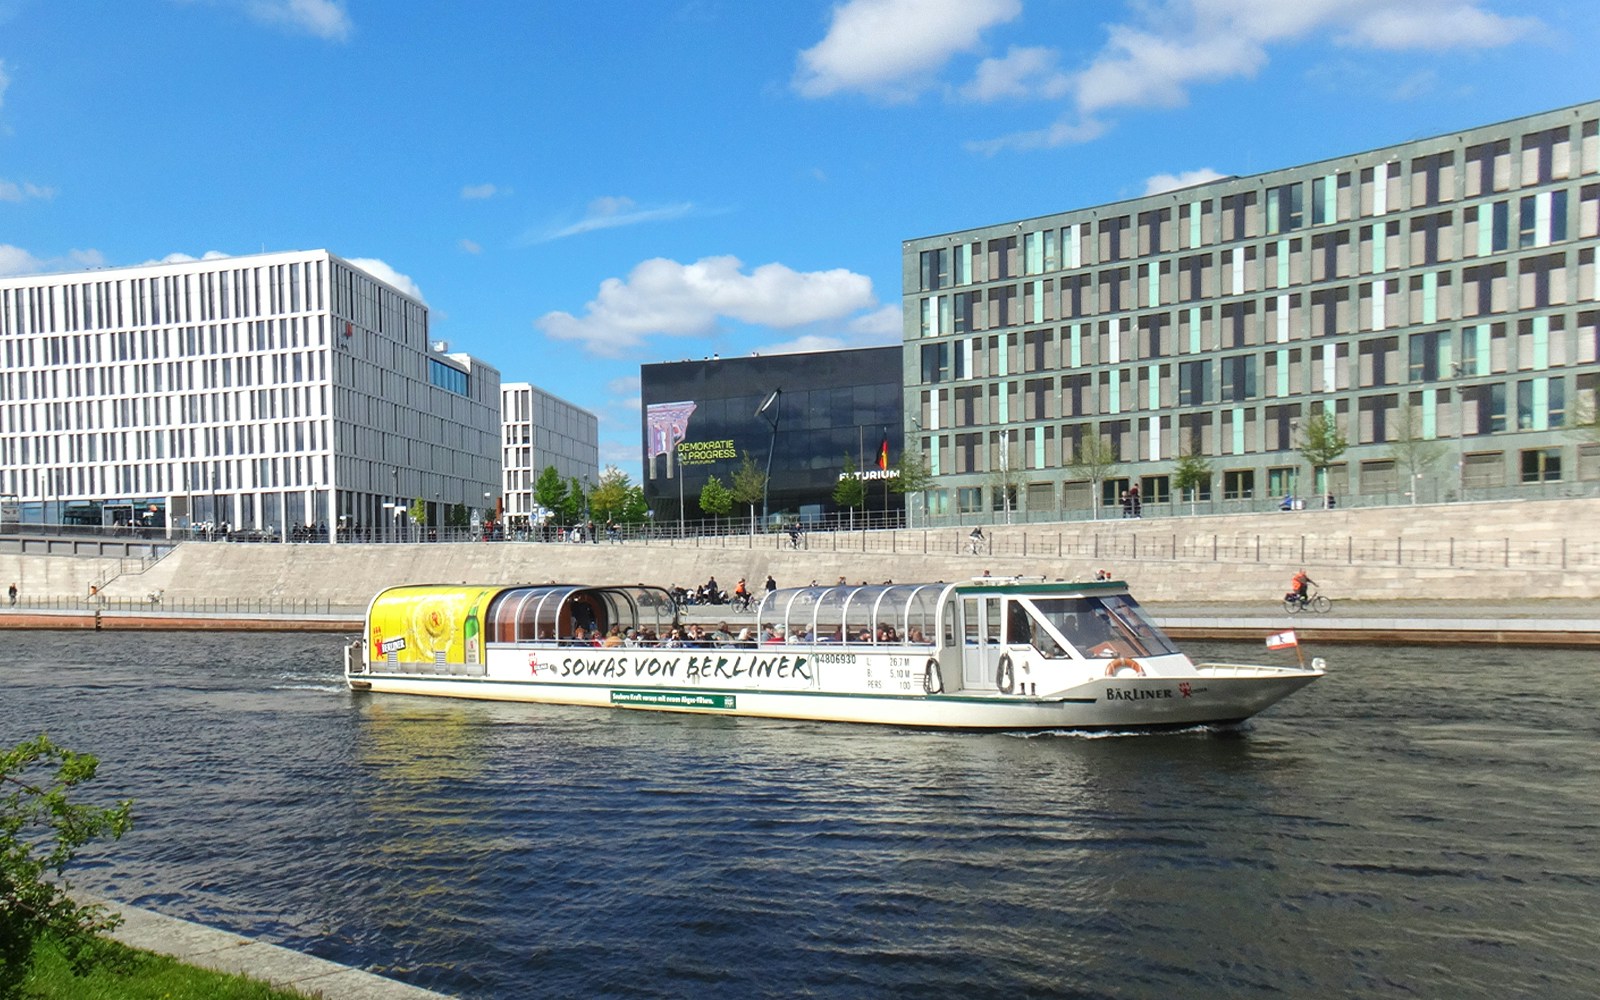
823, 413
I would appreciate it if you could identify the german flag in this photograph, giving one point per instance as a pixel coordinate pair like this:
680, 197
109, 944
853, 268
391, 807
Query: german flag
883, 453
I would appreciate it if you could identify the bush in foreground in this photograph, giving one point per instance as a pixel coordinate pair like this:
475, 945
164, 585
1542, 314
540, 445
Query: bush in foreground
41, 830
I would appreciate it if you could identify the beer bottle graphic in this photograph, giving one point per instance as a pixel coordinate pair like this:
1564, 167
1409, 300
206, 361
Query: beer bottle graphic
469, 634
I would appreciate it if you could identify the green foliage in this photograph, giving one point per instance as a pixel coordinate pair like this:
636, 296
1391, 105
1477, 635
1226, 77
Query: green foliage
635, 510
607, 500
715, 498
550, 492
1191, 473
418, 511
852, 489
41, 830
1096, 461
749, 481
571, 509
913, 472
1585, 424
1320, 441
456, 516
1413, 454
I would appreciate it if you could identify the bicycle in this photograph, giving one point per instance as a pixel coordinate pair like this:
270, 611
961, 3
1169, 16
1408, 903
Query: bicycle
1312, 602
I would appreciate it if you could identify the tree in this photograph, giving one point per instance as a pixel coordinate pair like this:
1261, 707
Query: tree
40, 833
715, 498
1191, 473
608, 498
1003, 478
456, 516
572, 503
550, 492
1413, 455
1585, 424
634, 508
749, 485
1095, 460
851, 490
1321, 444
418, 511
912, 473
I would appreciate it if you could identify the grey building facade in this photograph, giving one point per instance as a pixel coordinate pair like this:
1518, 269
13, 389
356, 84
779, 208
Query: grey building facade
1438, 300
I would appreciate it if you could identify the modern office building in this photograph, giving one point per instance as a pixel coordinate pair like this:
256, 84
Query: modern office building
1437, 299
538, 431
809, 418
265, 393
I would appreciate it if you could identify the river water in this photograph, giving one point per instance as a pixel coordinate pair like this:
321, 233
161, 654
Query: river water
1423, 822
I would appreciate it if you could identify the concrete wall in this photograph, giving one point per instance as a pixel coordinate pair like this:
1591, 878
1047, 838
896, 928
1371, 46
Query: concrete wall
1489, 551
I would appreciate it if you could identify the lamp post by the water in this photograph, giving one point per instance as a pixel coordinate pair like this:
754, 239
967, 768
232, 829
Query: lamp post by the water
388, 508
775, 405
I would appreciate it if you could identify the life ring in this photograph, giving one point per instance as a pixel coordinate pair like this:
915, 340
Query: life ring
932, 679
1005, 677
1121, 663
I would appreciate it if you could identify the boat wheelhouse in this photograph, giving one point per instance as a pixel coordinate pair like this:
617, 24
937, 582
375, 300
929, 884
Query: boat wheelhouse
983, 654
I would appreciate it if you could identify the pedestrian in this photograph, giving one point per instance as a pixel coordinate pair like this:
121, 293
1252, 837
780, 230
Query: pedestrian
11, 592
1127, 504
1135, 503
771, 584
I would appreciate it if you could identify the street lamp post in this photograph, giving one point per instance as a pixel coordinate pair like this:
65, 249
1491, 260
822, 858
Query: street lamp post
774, 403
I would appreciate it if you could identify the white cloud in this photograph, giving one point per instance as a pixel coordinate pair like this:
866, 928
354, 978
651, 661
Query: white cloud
887, 323
892, 48
383, 272
664, 297
611, 212
1022, 73
326, 19
1445, 24
478, 192
624, 385
183, 258
5, 81
1062, 133
12, 191
1172, 46
15, 260
470, 246
1172, 182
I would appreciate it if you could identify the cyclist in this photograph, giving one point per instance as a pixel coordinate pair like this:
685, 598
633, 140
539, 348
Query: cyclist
975, 540
1297, 586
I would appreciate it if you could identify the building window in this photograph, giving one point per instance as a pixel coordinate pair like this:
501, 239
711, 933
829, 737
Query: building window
1238, 484
1193, 379
1541, 465
1156, 489
447, 378
969, 499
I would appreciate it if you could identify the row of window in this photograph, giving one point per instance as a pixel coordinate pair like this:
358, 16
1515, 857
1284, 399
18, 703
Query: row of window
1481, 470
1534, 281
1338, 196
1135, 361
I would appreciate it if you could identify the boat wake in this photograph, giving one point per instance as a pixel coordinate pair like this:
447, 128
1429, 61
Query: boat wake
1201, 729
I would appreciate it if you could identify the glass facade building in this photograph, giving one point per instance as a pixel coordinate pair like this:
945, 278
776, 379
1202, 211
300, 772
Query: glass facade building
1439, 300
831, 410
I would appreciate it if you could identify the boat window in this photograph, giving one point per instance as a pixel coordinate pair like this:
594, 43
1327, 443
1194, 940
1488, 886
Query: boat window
882, 614
1104, 626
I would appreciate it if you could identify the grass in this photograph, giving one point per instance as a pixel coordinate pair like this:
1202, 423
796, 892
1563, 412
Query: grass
123, 973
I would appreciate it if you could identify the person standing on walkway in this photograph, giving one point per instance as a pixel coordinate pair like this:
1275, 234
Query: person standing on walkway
771, 583
11, 593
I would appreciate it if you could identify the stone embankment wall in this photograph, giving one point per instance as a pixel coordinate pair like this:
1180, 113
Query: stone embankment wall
1489, 551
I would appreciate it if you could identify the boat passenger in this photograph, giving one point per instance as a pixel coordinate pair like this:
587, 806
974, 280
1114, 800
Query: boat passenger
614, 637
914, 635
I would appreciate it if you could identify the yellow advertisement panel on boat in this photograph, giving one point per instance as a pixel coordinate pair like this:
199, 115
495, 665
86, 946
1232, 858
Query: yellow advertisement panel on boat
429, 624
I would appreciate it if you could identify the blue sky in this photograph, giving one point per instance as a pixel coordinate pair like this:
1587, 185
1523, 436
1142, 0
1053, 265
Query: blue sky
579, 188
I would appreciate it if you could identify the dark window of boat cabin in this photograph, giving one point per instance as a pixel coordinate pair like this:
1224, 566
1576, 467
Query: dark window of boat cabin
1103, 627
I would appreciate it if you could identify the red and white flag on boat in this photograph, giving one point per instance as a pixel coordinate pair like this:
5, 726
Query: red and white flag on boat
1282, 640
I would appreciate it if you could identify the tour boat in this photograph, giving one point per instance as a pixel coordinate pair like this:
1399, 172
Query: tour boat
1004, 654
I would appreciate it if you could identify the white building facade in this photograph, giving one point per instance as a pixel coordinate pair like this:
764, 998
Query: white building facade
280, 395
538, 431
